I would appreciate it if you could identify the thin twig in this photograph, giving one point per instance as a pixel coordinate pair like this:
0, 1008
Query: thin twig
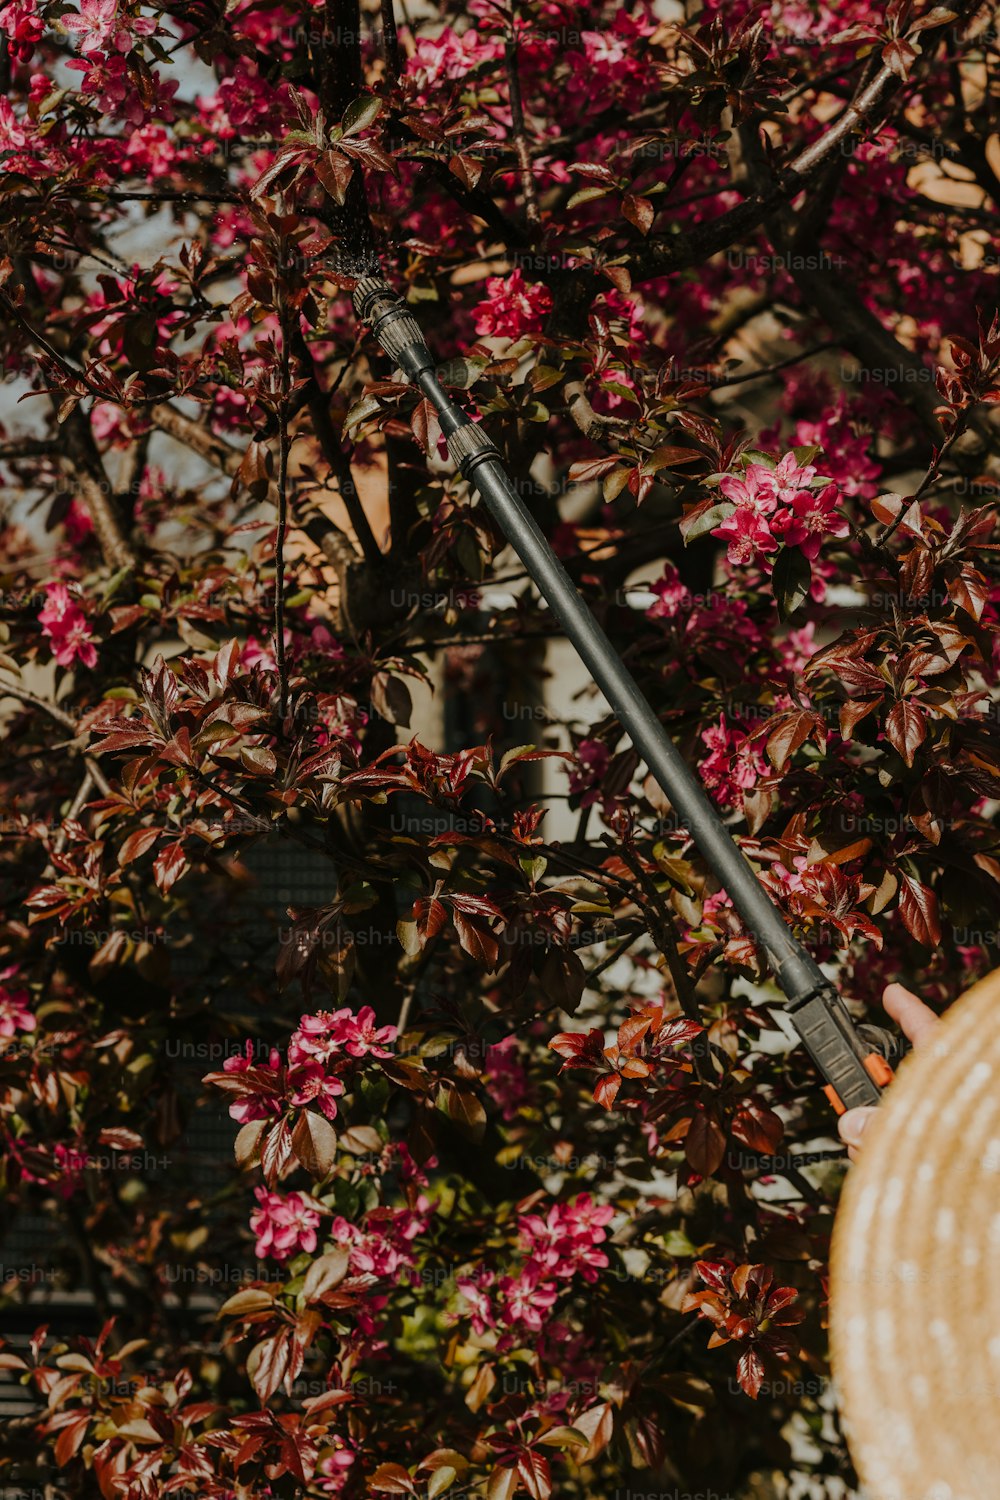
279, 540
525, 170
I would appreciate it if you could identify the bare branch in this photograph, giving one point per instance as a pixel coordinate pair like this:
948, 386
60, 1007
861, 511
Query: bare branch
64, 720
521, 150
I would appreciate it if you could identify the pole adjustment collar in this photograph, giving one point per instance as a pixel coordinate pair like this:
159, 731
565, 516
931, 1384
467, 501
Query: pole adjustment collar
470, 446
392, 324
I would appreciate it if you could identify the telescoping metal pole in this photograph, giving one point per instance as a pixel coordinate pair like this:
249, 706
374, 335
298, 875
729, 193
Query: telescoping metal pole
853, 1072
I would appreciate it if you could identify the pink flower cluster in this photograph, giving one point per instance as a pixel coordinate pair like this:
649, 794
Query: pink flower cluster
775, 506
845, 453
585, 778
506, 1077
381, 1248
284, 1224
732, 766
451, 56
563, 1244
323, 1036
64, 624
107, 81
308, 1076
15, 1008
276, 1088
560, 1246
714, 621
513, 307
104, 28
63, 1170
673, 597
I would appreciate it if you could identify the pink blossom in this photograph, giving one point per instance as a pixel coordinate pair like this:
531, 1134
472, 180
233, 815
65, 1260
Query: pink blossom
475, 1290
382, 1247
449, 55
334, 1463
672, 596
15, 1008
526, 1299
506, 1078
64, 624
789, 478
265, 1103
563, 1244
778, 503
845, 455
747, 535
12, 132
284, 1224
101, 28
794, 879
733, 764
77, 523
592, 757
325, 643
67, 1165
257, 653
107, 81
309, 1084
754, 489
24, 26
811, 517
513, 307
747, 531
798, 648
71, 1164
151, 150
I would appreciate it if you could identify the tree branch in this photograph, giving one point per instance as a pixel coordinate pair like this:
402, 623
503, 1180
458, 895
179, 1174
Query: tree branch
521, 151
60, 717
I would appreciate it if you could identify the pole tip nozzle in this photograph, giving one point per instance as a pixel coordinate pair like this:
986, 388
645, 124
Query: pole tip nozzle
368, 293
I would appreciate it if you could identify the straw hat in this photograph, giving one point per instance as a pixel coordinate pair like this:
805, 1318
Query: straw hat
915, 1289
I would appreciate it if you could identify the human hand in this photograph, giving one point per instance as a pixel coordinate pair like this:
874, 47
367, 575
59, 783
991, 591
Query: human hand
916, 1021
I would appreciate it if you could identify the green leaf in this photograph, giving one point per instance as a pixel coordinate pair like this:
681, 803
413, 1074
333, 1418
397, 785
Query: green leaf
251, 1300
359, 115
563, 1437
586, 195
706, 520
258, 760
790, 581
360, 412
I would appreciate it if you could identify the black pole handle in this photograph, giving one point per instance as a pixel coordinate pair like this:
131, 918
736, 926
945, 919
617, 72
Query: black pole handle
815, 1008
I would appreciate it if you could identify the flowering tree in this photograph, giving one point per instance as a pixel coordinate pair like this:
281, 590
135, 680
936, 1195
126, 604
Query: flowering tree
530, 1195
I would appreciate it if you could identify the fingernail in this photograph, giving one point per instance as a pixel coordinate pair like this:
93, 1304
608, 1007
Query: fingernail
853, 1125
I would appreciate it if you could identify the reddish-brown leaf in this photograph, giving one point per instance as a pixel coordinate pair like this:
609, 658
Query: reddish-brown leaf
535, 1473
918, 907
750, 1372
314, 1142
704, 1144
638, 211
906, 728
137, 844
267, 1364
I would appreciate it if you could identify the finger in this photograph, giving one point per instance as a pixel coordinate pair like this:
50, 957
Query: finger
916, 1019
852, 1126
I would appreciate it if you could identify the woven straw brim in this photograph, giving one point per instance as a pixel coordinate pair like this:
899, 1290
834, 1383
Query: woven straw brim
915, 1285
